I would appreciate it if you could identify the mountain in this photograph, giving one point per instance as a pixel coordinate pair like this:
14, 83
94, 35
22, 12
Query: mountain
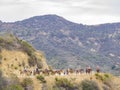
71, 45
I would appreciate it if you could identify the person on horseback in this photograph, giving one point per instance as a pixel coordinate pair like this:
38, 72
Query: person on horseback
97, 69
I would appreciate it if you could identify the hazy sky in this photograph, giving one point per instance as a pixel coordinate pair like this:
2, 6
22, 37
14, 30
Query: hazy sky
80, 11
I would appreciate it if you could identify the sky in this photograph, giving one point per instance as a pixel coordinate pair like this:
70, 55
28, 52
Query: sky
88, 12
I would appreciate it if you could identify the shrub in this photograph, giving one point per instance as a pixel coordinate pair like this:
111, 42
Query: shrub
106, 75
103, 78
32, 60
27, 84
15, 68
99, 77
106, 80
14, 87
63, 84
27, 48
39, 64
89, 85
41, 78
30, 51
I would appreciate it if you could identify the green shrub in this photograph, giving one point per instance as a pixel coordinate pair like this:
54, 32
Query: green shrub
27, 82
106, 75
99, 77
30, 51
89, 85
27, 48
14, 87
39, 63
41, 78
103, 78
106, 80
63, 84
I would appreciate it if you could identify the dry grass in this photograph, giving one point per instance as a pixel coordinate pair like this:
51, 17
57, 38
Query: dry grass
12, 61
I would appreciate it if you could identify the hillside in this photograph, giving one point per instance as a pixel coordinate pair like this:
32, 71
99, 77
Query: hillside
16, 55
71, 45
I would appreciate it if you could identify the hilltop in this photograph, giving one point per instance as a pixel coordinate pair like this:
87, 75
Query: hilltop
71, 45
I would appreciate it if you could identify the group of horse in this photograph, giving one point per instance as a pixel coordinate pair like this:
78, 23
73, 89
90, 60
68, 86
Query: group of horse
88, 70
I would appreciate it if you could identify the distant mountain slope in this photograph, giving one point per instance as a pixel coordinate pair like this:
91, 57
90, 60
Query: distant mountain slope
67, 44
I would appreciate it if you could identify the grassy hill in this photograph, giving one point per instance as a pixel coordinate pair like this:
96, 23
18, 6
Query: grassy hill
16, 55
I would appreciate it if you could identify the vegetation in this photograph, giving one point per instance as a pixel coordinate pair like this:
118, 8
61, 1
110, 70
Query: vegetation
11, 83
63, 84
10, 42
89, 85
106, 80
27, 84
41, 78
14, 87
104, 77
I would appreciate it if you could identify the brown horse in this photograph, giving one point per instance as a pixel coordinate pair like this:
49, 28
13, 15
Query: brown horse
88, 70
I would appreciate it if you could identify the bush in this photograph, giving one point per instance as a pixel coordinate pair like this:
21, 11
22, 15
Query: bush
99, 77
108, 82
63, 84
89, 85
30, 51
27, 48
14, 87
106, 75
27, 84
103, 78
39, 64
41, 78
15, 68
32, 61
